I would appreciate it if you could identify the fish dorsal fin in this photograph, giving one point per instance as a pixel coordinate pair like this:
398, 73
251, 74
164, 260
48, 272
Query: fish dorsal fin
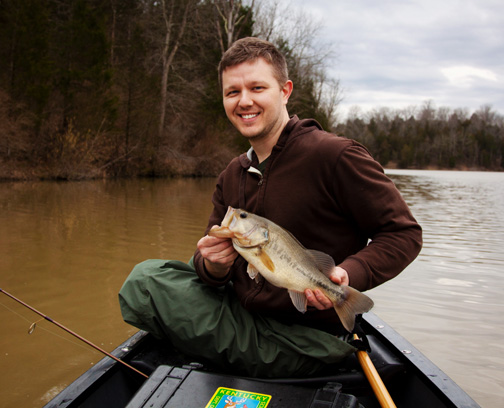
298, 300
294, 238
324, 262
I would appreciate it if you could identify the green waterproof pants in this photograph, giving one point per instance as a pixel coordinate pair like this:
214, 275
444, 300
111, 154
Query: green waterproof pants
167, 299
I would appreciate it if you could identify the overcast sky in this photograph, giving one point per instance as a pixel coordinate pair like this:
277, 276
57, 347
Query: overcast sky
399, 53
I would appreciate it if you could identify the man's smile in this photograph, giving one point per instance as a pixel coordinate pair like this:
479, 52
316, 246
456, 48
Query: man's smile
248, 115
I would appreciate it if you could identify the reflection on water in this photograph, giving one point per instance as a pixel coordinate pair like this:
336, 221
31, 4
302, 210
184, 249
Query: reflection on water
66, 248
449, 301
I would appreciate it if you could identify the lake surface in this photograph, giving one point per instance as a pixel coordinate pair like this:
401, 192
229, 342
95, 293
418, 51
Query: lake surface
66, 248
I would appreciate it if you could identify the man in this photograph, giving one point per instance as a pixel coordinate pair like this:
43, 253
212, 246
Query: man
326, 190
308, 163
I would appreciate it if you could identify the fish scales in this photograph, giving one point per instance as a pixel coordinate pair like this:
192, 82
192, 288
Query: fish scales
295, 265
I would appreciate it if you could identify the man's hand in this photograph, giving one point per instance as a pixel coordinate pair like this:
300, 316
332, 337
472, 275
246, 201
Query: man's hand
317, 299
218, 255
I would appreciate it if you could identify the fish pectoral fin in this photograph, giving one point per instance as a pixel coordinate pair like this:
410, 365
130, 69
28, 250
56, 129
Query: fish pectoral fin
352, 303
253, 273
325, 263
298, 300
266, 260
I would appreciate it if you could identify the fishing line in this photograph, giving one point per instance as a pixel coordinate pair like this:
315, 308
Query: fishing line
30, 330
70, 332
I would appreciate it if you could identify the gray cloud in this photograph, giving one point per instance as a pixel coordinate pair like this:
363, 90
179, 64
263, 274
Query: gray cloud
398, 53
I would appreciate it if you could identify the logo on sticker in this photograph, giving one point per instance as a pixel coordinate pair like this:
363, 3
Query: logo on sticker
231, 398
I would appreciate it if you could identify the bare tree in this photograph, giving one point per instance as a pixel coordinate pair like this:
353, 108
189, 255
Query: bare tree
231, 15
330, 98
173, 33
297, 33
267, 21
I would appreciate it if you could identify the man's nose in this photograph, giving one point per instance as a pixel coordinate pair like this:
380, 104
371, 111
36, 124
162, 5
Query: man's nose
246, 100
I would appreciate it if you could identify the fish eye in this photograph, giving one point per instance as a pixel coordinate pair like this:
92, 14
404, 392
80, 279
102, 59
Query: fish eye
243, 215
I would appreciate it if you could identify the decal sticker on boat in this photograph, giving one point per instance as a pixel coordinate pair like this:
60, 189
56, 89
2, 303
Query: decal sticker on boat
231, 398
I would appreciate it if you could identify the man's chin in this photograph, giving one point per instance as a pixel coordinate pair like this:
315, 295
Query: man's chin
250, 133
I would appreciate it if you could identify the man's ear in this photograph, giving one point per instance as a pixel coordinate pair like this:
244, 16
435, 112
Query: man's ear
287, 90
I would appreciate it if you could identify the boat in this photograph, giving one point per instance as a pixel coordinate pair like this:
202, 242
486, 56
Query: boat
175, 380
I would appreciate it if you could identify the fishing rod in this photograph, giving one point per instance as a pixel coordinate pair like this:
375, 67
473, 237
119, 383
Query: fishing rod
32, 327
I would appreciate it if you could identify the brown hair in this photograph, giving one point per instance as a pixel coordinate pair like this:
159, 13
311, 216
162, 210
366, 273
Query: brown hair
251, 48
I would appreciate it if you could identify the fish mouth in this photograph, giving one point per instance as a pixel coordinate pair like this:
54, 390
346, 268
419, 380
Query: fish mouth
241, 239
225, 230
230, 220
220, 232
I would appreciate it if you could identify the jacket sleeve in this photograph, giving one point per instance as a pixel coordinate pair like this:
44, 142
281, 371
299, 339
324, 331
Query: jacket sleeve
372, 200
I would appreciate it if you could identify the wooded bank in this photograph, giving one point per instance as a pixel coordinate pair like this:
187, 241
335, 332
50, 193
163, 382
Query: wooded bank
429, 138
115, 88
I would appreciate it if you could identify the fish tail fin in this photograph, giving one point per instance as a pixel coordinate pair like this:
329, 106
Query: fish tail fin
350, 304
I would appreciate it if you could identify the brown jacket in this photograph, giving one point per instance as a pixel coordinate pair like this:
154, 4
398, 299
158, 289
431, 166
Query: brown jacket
333, 197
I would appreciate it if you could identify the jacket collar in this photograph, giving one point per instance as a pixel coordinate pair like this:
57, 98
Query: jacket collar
247, 158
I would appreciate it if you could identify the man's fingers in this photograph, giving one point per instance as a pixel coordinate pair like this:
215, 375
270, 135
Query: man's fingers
339, 276
317, 299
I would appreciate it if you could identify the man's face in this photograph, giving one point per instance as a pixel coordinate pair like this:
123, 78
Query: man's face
254, 101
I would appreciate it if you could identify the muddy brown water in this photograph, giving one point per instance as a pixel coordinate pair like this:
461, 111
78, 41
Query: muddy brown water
66, 248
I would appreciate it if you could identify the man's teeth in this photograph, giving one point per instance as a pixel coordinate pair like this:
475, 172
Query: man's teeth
252, 115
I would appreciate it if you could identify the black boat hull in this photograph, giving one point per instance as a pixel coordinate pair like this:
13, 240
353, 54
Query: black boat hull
411, 379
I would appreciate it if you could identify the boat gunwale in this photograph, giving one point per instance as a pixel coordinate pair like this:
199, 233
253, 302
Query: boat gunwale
98, 373
445, 387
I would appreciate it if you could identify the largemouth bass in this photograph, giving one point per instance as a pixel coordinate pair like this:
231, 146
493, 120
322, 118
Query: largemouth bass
276, 255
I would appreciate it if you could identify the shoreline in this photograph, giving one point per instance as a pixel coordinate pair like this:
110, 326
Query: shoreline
22, 172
